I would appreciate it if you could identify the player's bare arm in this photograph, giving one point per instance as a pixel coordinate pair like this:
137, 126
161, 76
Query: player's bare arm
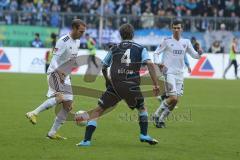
106, 77
153, 75
194, 54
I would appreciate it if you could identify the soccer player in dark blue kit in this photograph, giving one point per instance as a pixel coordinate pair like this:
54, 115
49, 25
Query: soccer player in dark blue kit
124, 60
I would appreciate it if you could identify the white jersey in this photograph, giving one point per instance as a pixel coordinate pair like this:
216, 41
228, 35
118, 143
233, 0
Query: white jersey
66, 48
173, 54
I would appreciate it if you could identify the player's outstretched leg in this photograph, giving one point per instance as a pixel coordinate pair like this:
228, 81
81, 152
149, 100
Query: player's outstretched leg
91, 126
32, 115
89, 115
143, 123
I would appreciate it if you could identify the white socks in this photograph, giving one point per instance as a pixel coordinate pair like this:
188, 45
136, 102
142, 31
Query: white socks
162, 111
164, 115
45, 105
59, 120
162, 106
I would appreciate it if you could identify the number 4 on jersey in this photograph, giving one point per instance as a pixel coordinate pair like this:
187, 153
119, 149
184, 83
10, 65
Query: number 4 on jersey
126, 57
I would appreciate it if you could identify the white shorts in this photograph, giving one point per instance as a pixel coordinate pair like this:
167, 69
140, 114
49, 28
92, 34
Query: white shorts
55, 86
174, 85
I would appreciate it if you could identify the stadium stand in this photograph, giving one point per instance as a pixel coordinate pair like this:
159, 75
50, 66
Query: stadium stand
151, 18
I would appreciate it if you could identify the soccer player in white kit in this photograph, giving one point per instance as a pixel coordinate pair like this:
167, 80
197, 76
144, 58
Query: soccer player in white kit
60, 91
173, 49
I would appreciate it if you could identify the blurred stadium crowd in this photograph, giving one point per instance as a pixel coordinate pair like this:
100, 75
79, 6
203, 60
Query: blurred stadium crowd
48, 12
221, 8
212, 22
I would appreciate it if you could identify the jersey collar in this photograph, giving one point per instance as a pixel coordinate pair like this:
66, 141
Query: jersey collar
175, 39
127, 40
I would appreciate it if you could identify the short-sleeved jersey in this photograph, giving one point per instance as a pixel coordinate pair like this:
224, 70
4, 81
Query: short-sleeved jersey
66, 48
173, 54
125, 60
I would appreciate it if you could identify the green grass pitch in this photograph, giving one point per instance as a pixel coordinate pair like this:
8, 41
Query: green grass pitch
205, 126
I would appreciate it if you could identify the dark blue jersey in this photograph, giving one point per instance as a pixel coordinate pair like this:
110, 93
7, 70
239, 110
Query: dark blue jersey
125, 60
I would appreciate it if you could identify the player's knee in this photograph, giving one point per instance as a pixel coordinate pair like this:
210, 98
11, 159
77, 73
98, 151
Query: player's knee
68, 108
59, 97
173, 100
67, 105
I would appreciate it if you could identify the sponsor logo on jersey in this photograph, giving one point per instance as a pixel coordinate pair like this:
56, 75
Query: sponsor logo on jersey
5, 63
203, 68
178, 52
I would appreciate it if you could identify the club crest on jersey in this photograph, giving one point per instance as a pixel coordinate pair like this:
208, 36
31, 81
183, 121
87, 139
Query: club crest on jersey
172, 45
184, 45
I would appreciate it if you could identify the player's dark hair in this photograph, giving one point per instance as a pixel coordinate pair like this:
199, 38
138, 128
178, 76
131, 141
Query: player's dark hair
126, 31
77, 22
176, 22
